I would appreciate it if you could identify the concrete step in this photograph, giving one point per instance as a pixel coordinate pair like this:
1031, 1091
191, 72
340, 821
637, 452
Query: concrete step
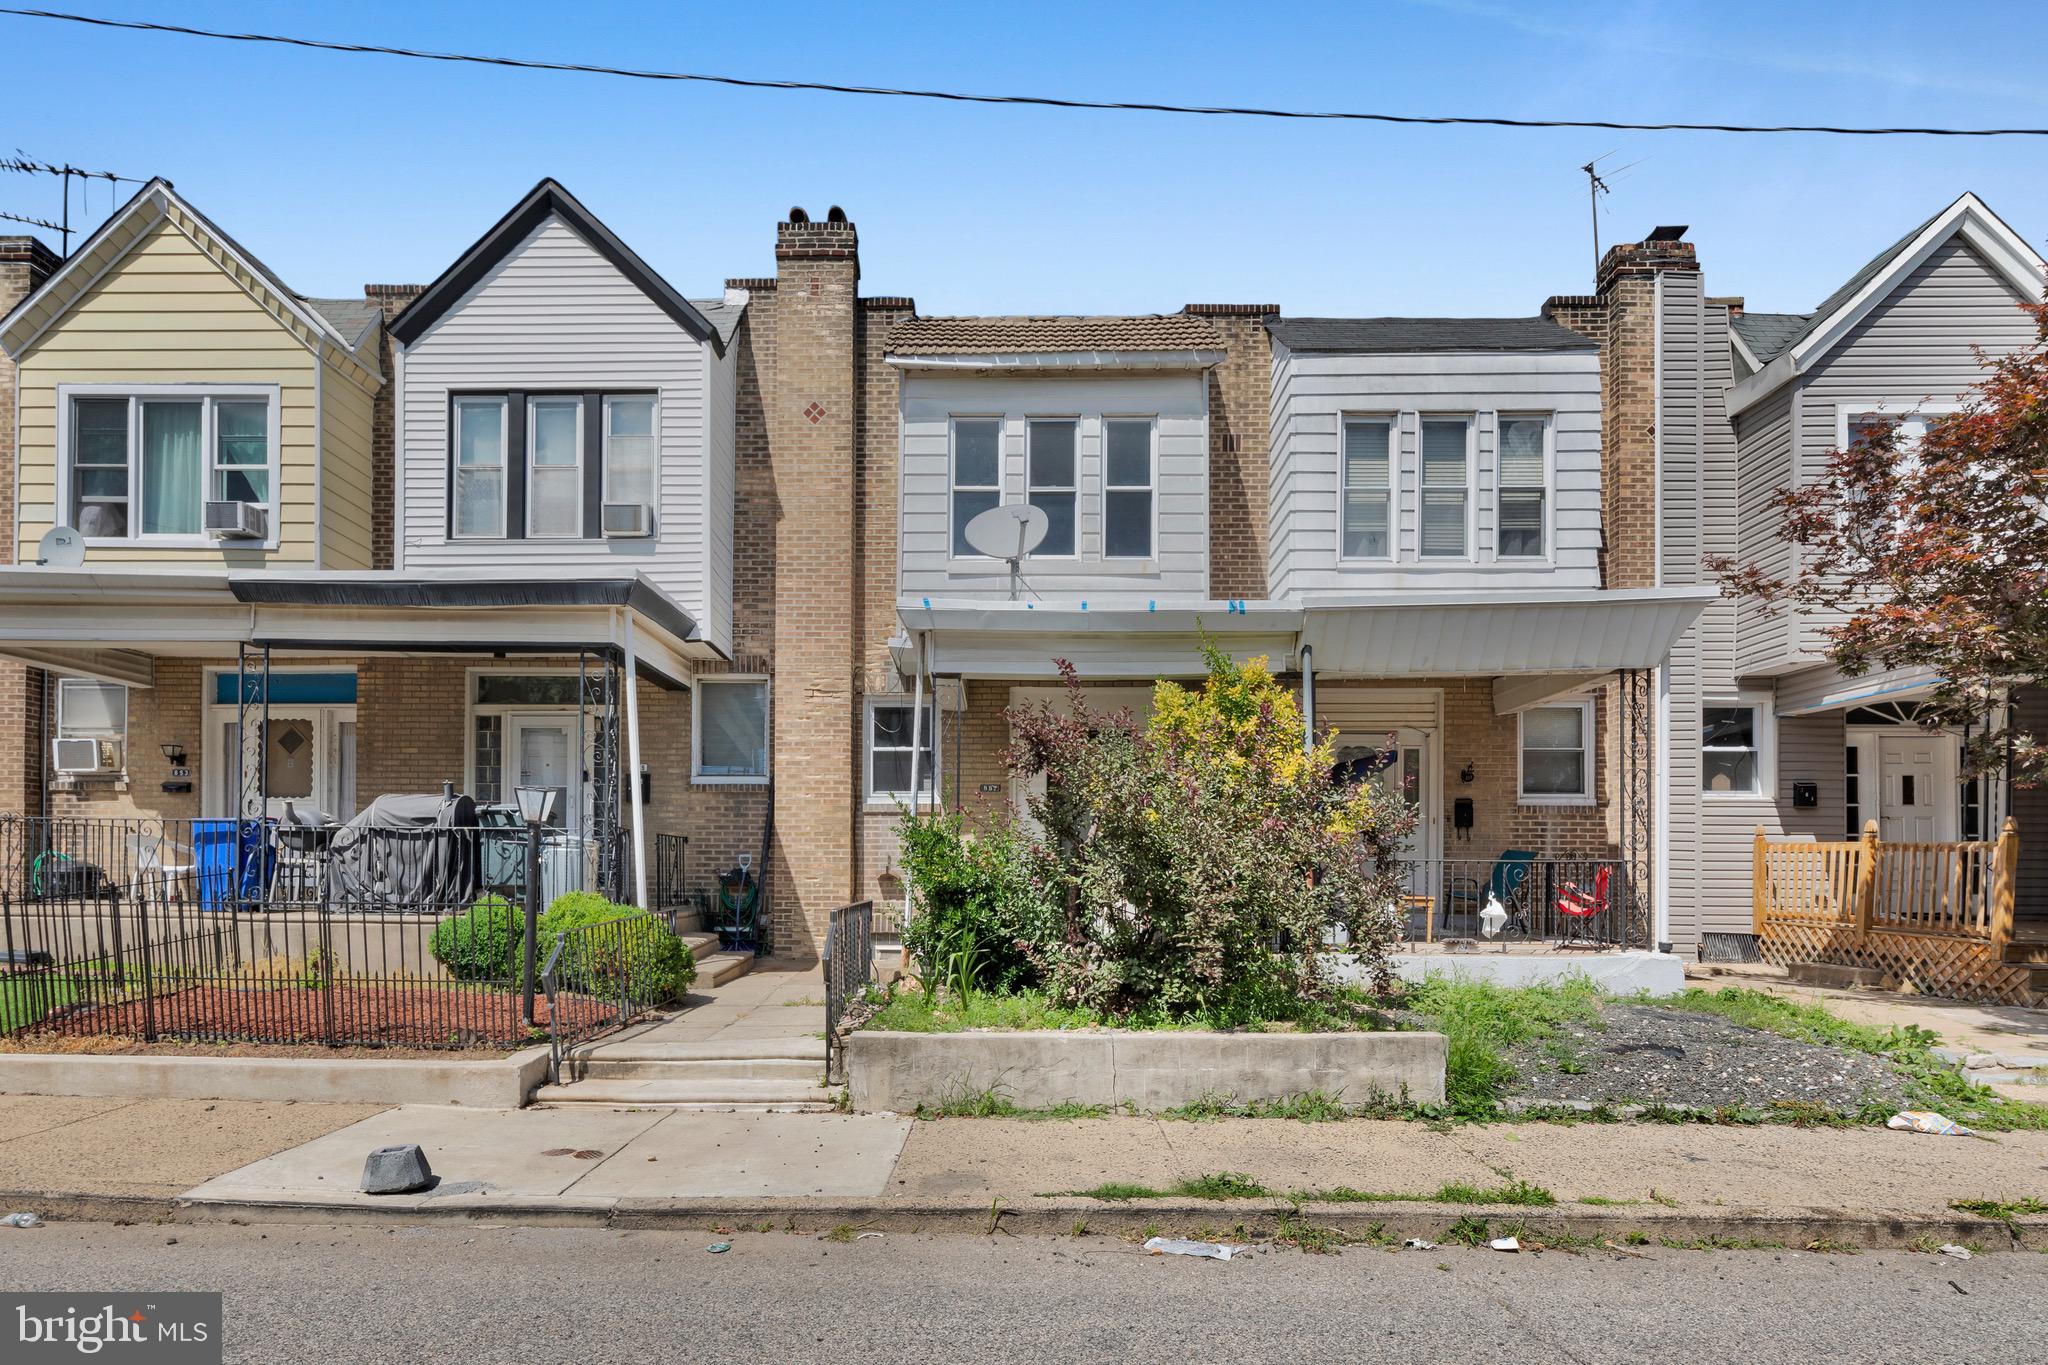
701, 945
795, 1070
653, 1045
1839, 976
719, 968
700, 1094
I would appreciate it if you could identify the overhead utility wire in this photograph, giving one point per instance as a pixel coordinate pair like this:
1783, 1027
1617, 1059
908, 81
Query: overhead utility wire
1042, 101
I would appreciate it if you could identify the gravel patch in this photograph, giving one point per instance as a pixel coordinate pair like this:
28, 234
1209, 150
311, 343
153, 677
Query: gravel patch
1647, 1055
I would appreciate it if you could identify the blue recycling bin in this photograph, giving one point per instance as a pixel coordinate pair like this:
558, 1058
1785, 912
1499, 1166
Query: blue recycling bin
213, 849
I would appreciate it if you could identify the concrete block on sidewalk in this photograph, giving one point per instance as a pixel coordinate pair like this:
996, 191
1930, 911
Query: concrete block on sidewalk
397, 1170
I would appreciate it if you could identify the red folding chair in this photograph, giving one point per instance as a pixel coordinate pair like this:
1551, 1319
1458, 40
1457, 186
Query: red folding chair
1578, 906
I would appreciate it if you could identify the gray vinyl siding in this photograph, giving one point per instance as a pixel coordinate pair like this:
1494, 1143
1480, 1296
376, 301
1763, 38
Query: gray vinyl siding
2030, 810
1313, 393
554, 314
1179, 568
1682, 344
1763, 465
720, 479
1815, 686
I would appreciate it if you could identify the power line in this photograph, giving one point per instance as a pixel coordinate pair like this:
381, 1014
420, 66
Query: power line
1041, 101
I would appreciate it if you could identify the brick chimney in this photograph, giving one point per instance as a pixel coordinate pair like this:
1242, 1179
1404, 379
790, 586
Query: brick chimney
810, 412
1621, 316
1240, 453
391, 300
24, 264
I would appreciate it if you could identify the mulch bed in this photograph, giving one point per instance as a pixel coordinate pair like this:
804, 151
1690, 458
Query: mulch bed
1647, 1055
419, 1016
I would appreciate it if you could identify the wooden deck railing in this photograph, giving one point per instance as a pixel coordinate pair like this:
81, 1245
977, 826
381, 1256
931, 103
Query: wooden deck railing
1960, 890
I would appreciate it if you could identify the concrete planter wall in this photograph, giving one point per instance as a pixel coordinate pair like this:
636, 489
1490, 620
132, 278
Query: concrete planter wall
897, 1072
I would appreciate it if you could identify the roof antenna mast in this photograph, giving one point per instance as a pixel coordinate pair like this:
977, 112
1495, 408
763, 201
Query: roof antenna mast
1595, 187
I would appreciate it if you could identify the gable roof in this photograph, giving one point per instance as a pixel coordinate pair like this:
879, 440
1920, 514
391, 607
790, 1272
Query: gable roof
1051, 335
156, 203
546, 199
1408, 335
353, 318
1969, 217
1766, 335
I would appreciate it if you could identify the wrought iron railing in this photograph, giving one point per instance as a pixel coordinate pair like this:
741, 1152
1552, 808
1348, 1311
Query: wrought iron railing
602, 976
849, 969
1521, 897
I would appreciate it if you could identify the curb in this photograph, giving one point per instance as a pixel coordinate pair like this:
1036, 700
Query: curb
1793, 1228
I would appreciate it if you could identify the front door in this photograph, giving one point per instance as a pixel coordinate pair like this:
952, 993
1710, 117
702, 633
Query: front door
295, 761
543, 755
1916, 798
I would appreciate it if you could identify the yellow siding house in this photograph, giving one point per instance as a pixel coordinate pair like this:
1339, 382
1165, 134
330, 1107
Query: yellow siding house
179, 405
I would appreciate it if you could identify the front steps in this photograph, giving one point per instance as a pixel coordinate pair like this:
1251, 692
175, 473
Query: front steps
714, 966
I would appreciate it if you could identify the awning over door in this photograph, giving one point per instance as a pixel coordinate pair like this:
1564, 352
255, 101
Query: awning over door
1435, 634
1022, 640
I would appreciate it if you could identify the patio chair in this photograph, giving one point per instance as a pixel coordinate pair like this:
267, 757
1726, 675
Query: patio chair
1579, 907
1506, 882
163, 870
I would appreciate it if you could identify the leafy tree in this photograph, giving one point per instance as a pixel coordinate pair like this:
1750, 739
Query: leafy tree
1935, 557
1198, 862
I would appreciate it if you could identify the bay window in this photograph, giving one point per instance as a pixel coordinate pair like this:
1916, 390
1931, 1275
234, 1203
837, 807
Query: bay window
141, 464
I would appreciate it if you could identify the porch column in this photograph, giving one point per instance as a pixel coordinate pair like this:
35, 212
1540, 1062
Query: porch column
632, 686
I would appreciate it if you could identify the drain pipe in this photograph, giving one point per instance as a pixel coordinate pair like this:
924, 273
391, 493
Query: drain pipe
633, 770
1308, 699
916, 749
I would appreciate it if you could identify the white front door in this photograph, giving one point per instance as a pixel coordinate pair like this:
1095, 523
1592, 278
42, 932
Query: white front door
1406, 769
1916, 789
296, 754
543, 750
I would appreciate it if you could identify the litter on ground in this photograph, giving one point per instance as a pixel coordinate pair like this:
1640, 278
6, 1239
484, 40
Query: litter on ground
1926, 1121
1505, 1244
21, 1220
1180, 1246
1951, 1249
1417, 1244
719, 1248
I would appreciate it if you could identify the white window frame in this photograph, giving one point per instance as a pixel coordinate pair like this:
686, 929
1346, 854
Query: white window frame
1763, 730
1589, 746
533, 405
1151, 419
1073, 489
1549, 421
933, 731
504, 407
504, 711
1897, 409
67, 731
654, 451
954, 487
698, 776
1392, 422
205, 394
1471, 487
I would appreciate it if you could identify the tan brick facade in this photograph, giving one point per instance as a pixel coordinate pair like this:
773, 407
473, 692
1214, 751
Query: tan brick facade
1240, 450
391, 299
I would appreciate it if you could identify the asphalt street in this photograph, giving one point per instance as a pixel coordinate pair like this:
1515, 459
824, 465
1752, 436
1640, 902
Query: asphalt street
479, 1293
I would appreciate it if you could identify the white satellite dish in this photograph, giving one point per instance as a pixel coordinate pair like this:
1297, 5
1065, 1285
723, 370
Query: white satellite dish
1009, 532
60, 548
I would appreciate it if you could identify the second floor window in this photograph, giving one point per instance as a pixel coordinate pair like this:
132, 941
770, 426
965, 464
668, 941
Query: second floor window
1050, 453
142, 464
1127, 488
537, 465
1446, 476
1523, 488
1368, 488
977, 474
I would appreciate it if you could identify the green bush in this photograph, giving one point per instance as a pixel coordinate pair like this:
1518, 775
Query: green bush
481, 943
977, 912
613, 948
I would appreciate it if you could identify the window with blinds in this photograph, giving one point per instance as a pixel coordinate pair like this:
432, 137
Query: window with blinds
1446, 476
1523, 488
1368, 488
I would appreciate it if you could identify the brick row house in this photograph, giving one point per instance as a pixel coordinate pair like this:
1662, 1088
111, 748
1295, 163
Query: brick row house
1473, 543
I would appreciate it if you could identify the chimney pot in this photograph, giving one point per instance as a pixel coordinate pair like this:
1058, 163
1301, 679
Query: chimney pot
797, 215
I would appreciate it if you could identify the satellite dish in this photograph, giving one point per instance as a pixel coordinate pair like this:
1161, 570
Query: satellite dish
1009, 532
63, 548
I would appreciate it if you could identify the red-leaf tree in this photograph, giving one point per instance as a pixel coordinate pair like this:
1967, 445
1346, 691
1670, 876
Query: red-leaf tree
1935, 556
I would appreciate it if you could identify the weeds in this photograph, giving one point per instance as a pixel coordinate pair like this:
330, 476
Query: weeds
1222, 1185
1470, 1231
1515, 1192
1482, 1021
2006, 1211
1311, 1106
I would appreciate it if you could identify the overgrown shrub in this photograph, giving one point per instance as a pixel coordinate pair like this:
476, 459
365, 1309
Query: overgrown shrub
481, 943
614, 949
974, 903
1199, 862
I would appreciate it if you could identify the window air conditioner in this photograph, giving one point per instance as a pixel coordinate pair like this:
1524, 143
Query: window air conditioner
623, 520
237, 520
80, 756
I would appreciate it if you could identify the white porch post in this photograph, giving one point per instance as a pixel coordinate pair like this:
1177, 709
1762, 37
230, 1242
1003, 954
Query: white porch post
633, 771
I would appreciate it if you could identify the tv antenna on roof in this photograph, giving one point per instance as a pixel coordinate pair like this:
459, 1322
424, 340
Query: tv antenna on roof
1009, 532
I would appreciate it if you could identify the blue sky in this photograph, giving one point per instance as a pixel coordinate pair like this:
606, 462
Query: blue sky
340, 170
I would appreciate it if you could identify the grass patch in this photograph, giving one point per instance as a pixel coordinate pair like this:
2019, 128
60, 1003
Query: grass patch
1514, 1192
1930, 1082
1602, 1202
26, 1000
2006, 1211
1312, 1106
913, 1011
1222, 1185
1469, 1231
1482, 1021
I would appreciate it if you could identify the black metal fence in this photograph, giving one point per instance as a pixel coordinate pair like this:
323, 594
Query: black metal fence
849, 968
240, 931
1523, 897
605, 975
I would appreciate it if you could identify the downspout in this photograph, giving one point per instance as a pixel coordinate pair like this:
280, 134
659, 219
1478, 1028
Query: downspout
1308, 699
633, 770
916, 748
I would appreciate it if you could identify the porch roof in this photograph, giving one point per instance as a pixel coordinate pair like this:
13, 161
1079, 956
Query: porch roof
981, 639
109, 622
1461, 634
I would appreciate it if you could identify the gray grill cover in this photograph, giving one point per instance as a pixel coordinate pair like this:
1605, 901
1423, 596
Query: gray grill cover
408, 852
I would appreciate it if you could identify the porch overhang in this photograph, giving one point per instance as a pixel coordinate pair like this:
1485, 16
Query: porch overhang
88, 621
1462, 634
1813, 691
1022, 640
